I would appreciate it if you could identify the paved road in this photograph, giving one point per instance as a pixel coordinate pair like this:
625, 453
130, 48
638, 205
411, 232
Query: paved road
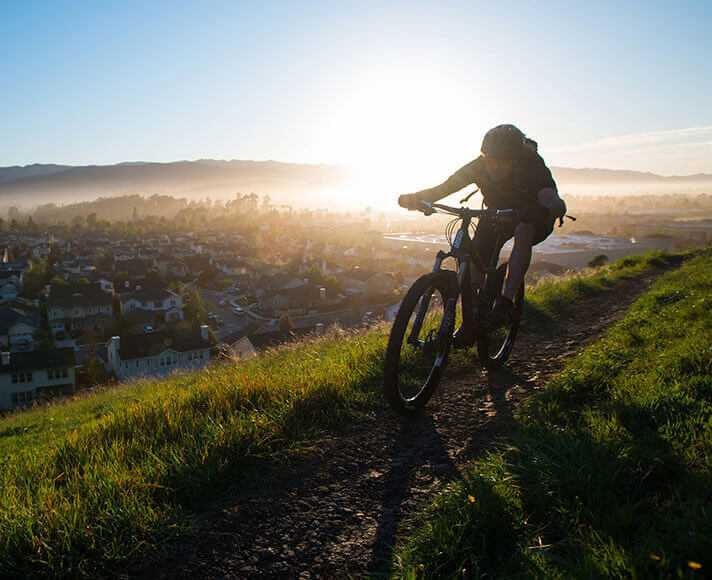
233, 323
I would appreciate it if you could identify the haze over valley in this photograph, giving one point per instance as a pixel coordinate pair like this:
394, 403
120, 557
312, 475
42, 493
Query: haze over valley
298, 185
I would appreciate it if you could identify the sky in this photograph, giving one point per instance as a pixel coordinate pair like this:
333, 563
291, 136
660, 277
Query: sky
403, 91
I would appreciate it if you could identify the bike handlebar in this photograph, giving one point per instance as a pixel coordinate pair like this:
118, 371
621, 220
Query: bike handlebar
429, 208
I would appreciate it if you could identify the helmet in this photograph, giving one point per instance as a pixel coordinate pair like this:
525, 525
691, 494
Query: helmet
503, 141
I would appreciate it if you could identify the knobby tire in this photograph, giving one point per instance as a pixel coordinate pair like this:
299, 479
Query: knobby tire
493, 349
410, 378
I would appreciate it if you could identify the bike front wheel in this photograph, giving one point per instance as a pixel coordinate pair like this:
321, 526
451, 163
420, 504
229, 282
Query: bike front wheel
495, 346
420, 342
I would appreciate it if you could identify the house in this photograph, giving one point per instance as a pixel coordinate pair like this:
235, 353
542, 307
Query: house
240, 349
18, 324
391, 312
305, 296
255, 337
366, 283
76, 307
8, 292
124, 253
136, 269
27, 376
329, 268
11, 276
151, 306
233, 267
158, 353
106, 285
171, 267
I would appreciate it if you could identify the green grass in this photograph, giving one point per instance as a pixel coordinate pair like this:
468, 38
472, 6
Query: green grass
608, 470
96, 484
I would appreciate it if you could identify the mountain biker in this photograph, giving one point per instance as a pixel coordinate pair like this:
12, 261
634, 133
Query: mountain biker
510, 174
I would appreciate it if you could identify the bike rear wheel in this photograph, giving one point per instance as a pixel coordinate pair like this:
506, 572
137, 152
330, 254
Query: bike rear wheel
495, 346
420, 342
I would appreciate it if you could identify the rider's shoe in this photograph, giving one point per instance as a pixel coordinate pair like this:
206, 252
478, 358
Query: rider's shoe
501, 314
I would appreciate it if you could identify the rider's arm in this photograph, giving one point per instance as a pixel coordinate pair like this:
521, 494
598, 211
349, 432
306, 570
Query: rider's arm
462, 177
543, 182
550, 198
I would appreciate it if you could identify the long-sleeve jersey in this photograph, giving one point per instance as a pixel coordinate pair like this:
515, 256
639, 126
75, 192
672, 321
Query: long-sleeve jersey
528, 177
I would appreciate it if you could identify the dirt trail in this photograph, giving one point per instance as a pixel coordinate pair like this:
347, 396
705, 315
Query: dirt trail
337, 513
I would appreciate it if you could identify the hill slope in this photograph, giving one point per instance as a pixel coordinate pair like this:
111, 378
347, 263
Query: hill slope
97, 484
608, 470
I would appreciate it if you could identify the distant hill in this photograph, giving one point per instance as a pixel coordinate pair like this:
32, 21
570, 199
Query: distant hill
292, 183
18, 172
37, 184
616, 181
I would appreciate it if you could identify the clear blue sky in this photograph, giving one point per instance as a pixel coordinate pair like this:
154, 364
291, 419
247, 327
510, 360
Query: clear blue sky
392, 85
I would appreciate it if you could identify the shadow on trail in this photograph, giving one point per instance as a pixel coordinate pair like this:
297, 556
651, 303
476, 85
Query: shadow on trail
417, 443
499, 409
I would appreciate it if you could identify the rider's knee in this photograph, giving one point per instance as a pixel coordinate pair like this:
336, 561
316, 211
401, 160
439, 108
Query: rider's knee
524, 233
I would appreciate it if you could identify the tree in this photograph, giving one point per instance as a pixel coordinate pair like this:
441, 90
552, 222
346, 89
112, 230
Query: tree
37, 275
315, 275
207, 275
332, 285
43, 338
285, 324
194, 309
95, 372
106, 259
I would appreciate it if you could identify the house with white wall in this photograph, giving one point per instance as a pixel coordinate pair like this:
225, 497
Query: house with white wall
28, 376
151, 306
19, 321
75, 308
158, 353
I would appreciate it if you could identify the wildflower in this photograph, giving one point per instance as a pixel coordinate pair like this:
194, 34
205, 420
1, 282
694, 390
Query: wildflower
654, 557
471, 498
694, 565
421, 566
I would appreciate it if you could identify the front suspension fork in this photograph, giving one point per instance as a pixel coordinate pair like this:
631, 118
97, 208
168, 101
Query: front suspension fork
425, 303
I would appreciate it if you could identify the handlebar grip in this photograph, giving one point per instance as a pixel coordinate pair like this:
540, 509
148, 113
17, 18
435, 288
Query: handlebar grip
425, 207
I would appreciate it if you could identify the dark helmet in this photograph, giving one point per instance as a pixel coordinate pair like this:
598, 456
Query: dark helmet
504, 141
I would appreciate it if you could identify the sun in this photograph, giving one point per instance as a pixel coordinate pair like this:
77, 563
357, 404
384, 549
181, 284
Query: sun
403, 126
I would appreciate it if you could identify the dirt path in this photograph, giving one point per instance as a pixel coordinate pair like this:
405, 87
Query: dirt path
337, 513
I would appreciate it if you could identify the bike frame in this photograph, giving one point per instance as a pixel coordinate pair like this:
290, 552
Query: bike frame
462, 249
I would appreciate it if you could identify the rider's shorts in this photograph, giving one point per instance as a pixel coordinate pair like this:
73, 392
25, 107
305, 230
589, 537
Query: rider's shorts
486, 235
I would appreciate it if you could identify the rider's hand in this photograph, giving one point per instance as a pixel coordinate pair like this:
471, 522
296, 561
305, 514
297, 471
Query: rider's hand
409, 201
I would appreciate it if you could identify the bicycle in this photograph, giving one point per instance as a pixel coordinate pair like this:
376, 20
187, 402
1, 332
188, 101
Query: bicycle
426, 317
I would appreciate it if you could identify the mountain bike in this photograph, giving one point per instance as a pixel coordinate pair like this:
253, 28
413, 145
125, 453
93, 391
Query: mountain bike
422, 332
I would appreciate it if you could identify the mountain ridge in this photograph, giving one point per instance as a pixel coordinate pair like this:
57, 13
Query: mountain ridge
39, 183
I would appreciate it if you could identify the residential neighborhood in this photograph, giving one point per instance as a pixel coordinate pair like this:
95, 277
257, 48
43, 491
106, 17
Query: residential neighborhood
209, 283
139, 307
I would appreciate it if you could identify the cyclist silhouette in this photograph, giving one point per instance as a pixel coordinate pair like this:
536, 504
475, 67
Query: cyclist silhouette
510, 174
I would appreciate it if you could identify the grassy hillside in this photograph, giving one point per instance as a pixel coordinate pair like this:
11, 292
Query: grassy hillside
609, 469
92, 485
